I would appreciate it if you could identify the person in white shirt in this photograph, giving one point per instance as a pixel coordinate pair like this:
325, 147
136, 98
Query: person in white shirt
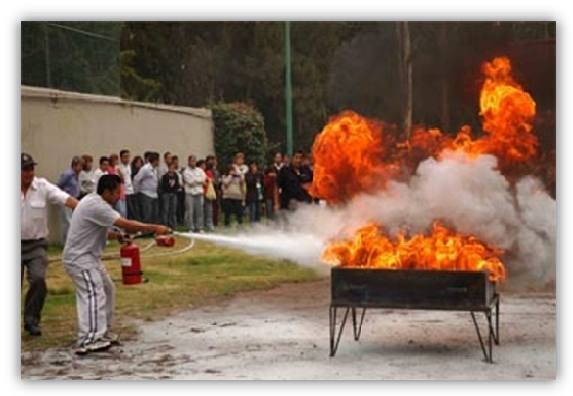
36, 194
241, 169
89, 232
124, 171
102, 170
194, 179
146, 183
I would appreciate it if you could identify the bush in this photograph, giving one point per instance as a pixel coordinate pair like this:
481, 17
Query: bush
239, 127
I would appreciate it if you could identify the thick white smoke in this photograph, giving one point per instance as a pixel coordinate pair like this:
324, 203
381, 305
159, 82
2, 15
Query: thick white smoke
468, 194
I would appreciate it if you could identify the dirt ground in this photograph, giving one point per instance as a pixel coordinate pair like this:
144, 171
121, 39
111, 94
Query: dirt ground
283, 334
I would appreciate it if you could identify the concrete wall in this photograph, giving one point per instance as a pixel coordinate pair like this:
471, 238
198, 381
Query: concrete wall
56, 125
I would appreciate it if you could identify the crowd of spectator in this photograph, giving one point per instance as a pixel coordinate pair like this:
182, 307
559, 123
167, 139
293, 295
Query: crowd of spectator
196, 194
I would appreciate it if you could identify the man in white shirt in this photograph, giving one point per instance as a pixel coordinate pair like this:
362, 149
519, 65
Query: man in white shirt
36, 193
146, 183
194, 179
125, 174
89, 231
102, 170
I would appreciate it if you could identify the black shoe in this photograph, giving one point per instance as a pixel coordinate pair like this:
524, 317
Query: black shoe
33, 330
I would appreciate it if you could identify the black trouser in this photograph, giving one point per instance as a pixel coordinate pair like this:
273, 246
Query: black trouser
35, 259
169, 210
233, 207
160, 214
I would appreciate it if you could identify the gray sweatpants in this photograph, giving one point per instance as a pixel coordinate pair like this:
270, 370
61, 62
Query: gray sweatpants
95, 298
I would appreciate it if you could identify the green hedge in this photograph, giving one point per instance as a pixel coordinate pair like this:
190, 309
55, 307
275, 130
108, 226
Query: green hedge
239, 127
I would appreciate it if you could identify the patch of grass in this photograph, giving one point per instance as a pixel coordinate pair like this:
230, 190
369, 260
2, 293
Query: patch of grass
175, 283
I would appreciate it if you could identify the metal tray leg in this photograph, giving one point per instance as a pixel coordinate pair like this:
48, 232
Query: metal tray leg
334, 342
488, 356
357, 326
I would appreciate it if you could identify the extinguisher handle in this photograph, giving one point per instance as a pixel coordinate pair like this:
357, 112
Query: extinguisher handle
122, 237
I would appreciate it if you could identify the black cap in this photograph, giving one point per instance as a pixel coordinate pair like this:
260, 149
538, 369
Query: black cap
27, 160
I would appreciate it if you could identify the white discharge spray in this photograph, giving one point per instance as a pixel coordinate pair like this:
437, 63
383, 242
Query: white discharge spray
466, 193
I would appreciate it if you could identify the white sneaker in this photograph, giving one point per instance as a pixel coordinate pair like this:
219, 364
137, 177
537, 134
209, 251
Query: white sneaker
112, 338
96, 346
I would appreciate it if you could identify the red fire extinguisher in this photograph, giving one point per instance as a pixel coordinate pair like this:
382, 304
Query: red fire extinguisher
131, 273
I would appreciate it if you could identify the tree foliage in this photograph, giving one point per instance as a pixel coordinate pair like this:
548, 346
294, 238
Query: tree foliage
335, 66
239, 128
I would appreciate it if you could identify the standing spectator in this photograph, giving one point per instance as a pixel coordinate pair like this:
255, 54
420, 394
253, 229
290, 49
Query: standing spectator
86, 177
271, 192
242, 169
286, 160
95, 294
102, 170
36, 193
233, 195
69, 182
169, 187
254, 196
162, 169
136, 165
210, 196
295, 181
240, 166
278, 162
164, 166
194, 179
146, 183
212, 166
113, 169
180, 192
306, 161
124, 171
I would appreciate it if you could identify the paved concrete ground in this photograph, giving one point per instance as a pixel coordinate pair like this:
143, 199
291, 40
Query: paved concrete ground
283, 334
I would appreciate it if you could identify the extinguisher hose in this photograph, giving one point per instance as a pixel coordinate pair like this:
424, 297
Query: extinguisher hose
115, 256
171, 253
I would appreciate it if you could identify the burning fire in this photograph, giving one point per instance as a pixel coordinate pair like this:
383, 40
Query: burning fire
352, 156
443, 250
349, 158
507, 112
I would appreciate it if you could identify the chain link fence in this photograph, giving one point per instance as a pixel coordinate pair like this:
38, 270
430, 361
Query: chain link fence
72, 56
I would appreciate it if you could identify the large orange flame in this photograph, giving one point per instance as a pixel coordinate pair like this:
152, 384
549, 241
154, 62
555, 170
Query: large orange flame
349, 158
507, 111
443, 250
353, 156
